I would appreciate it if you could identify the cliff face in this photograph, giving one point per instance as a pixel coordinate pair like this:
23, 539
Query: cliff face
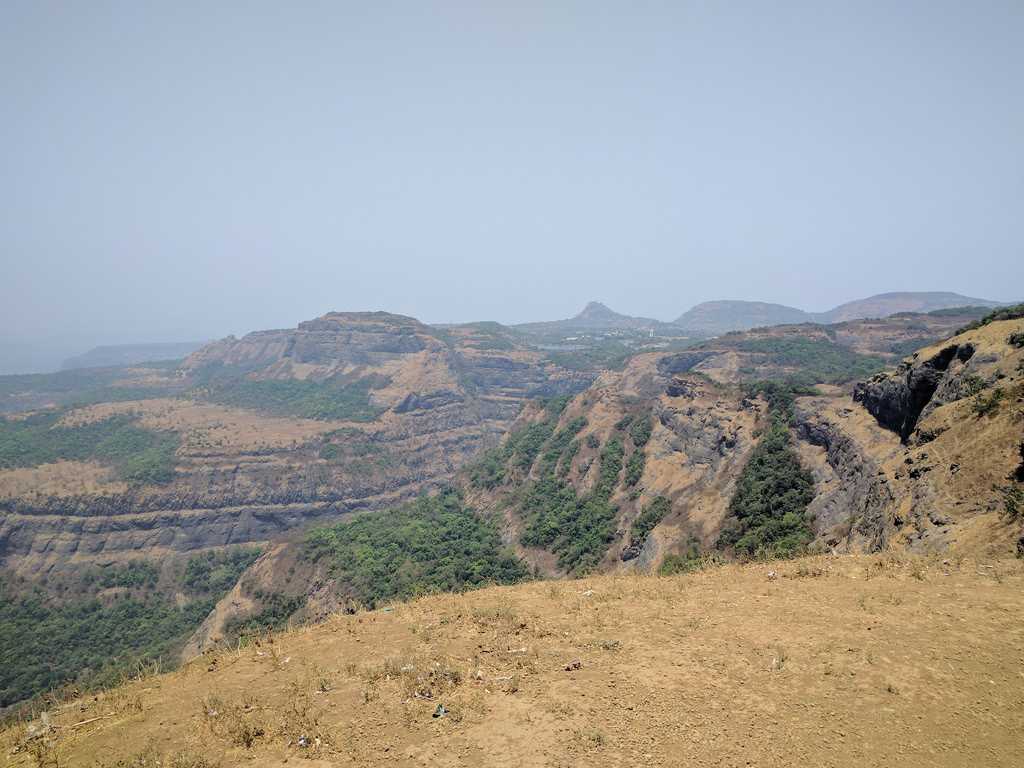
244, 474
954, 420
899, 399
879, 484
700, 435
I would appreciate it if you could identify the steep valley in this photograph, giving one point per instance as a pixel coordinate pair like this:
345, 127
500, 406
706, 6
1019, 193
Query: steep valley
280, 450
638, 471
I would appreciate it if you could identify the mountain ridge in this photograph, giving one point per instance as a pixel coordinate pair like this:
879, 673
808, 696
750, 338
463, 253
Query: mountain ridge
722, 316
710, 318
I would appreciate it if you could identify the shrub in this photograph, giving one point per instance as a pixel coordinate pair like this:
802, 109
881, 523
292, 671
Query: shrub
1013, 502
635, 468
690, 559
651, 515
1003, 313
276, 609
1016, 339
985, 405
640, 432
971, 384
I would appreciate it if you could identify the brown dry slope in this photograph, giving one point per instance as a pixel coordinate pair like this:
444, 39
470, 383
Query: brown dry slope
828, 661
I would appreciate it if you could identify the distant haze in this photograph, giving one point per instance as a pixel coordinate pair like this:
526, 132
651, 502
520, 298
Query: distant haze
177, 171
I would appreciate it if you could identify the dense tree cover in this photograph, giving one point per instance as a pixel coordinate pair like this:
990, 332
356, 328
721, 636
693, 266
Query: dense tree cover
329, 400
819, 361
82, 386
215, 572
578, 529
950, 312
767, 513
88, 642
650, 516
565, 464
432, 544
606, 354
91, 639
136, 574
138, 455
276, 610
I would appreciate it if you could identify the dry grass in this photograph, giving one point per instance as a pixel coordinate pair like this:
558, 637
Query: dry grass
841, 661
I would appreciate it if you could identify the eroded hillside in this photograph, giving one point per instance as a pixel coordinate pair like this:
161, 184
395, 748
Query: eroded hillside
641, 470
279, 428
763, 444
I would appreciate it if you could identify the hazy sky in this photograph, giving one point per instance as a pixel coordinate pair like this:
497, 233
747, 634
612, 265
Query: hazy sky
172, 171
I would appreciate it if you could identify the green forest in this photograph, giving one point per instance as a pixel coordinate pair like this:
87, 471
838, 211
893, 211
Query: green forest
138, 455
433, 544
342, 401
767, 513
92, 639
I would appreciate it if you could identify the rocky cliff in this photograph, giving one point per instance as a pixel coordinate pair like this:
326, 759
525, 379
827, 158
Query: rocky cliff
878, 486
250, 466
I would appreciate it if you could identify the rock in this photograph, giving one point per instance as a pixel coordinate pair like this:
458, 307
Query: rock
574, 665
898, 399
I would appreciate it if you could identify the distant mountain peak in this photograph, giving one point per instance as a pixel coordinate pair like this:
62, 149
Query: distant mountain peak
595, 310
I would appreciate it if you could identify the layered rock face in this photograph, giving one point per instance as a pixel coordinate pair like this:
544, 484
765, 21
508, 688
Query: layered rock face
879, 482
244, 475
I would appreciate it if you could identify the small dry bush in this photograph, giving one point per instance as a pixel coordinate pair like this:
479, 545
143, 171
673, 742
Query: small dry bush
300, 723
242, 725
150, 758
418, 677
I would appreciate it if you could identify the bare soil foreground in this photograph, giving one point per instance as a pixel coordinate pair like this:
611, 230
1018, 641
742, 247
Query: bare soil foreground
881, 660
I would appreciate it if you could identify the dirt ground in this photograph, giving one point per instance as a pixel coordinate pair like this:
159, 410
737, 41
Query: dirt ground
832, 661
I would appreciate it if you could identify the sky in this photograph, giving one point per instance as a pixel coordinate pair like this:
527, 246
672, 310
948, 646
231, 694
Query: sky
173, 171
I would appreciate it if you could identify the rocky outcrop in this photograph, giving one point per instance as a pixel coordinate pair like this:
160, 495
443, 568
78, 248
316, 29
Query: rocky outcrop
854, 506
900, 398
